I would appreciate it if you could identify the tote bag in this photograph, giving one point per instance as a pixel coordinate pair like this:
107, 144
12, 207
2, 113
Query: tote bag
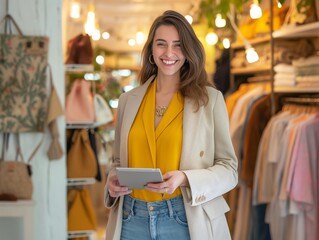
81, 160
23, 84
81, 215
79, 107
103, 113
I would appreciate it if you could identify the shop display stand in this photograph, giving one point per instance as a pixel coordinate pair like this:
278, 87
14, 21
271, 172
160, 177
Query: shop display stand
80, 182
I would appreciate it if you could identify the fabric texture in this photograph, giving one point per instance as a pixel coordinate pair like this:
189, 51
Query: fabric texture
24, 97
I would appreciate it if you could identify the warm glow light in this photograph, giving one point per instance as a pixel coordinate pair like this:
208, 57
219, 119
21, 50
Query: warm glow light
220, 21
114, 103
189, 19
99, 59
90, 22
139, 38
96, 35
251, 55
105, 35
255, 11
131, 42
226, 43
211, 38
75, 10
279, 5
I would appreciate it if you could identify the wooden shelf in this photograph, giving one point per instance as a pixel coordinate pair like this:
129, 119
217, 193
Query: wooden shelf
255, 41
249, 69
296, 89
292, 31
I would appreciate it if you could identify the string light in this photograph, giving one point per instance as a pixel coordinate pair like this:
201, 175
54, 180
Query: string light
211, 38
251, 54
226, 43
189, 19
255, 10
220, 22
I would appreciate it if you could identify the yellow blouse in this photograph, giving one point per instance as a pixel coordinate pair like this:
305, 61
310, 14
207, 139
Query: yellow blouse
156, 148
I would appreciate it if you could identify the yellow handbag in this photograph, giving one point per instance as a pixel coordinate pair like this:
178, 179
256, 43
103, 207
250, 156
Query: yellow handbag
81, 215
81, 160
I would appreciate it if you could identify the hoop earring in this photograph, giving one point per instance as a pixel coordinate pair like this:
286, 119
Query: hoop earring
150, 60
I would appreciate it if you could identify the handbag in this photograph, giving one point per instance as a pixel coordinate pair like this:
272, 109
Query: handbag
79, 103
103, 113
81, 215
24, 97
81, 160
15, 175
79, 50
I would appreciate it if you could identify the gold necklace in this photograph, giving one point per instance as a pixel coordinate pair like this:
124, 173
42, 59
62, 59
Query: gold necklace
160, 111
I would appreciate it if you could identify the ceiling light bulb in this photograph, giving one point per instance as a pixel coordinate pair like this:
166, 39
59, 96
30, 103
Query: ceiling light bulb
99, 59
139, 38
105, 35
220, 21
75, 10
131, 42
255, 11
96, 35
90, 23
189, 19
211, 38
251, 55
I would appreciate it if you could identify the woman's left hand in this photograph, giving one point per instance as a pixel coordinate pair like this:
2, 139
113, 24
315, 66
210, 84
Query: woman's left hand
172, 180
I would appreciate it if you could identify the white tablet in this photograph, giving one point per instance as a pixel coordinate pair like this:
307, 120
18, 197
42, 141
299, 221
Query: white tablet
138, 177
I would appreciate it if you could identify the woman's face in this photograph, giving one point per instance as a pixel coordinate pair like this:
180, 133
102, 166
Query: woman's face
167, 52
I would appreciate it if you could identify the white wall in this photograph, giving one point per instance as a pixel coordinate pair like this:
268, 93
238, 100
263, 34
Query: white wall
42, 17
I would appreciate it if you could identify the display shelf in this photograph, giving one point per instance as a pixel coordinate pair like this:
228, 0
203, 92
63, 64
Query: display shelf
255, 41
78, 234
293, 31
249, 69
83, 125
78, 68
80, 181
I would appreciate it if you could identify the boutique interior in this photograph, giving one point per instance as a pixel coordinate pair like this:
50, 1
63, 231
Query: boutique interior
263, 55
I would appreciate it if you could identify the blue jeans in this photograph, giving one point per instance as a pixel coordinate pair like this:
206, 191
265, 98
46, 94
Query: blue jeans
154, 220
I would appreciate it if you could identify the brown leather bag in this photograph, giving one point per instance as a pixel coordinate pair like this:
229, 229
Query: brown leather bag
79, 50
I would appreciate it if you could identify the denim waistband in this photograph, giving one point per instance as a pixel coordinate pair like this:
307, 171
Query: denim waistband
142, 208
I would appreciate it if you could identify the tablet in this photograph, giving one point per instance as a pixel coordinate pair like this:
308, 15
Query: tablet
138, 177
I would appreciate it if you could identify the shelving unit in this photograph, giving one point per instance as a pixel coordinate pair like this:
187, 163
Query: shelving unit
310, 30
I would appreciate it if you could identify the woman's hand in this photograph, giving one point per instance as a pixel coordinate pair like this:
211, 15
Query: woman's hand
172, 180
115, 190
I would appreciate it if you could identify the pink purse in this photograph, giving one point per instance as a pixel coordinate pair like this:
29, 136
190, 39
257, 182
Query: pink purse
79, 103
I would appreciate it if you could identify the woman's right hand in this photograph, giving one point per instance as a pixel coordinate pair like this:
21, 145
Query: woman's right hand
115, 190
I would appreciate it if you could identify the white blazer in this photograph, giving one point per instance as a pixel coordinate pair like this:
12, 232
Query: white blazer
208, 160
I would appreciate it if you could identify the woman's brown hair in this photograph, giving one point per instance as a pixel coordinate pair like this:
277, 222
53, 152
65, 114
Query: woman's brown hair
193, 76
